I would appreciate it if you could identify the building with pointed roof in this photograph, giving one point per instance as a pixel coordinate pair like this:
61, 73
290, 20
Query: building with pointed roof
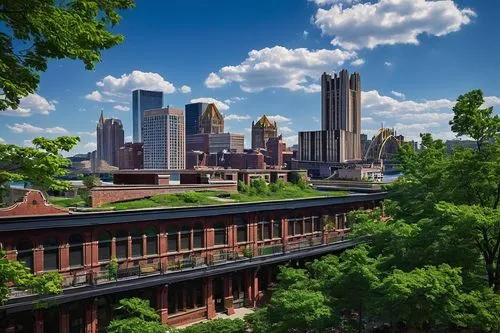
262, 130
110, 137
211, 120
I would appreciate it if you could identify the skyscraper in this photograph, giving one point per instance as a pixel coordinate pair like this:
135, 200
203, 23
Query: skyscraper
262, 130
143, 100
211, 121
110, 138
164, 139
193, 115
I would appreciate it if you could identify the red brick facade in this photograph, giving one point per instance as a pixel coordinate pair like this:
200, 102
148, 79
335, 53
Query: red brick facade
34, 203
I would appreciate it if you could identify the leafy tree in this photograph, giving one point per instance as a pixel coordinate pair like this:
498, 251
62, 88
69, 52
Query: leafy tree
91, 181
217, 325
469, 119
51, 30
17, 273
135, 315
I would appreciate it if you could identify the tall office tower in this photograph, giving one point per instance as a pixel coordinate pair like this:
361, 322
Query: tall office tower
211, 121
164, 139
110, 138
341, 109
193, 115
262, 130
143, 100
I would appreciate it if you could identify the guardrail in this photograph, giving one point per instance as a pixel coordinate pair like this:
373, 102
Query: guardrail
304, 243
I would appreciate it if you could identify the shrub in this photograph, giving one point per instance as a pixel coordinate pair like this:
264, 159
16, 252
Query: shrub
217, 325
260, 186
113, 269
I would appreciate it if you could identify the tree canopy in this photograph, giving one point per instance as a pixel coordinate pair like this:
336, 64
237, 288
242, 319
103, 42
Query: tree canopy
40, 30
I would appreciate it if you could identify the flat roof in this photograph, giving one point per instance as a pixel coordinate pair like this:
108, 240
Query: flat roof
25, 223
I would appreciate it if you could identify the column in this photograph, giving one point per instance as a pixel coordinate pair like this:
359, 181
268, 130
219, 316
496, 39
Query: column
162, 303
63, 320
91, 317
248, 288
210, 298
255, 287
324, 228
38, 260
284, 233
228, 294
162, 244
38, 321
63, 255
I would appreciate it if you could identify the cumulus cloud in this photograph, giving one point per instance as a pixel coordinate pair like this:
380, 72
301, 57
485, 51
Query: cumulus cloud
491, 101
2, 141
121, 107
32, 103
389, 22
398, 94
291, 140
236, 117
278, 118
220, 105
331, 2
90, 146
185, 89
232, 100
286, 130
28, 128
373, 102
388, 64
279, 67
357, 62
315, 119
305, 34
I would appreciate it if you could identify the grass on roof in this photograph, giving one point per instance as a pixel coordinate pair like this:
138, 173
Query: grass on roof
67, 202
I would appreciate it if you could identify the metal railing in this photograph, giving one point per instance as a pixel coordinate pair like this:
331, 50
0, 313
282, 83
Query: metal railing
269, 249
305, 243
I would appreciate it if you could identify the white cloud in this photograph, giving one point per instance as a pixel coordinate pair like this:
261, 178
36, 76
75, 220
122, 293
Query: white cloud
236, 117
232, 100
220, 105
121, 107
365, 120
90, 146
358, 62
185, 89
28, 128
389, 22
491, 101
373, 102
94, 133
128, 138
286, 129
331, 2
94, 96
28, 143
305, 34
2, 141
398, 94
33, 103
429, 116
291, 140
387, 64
278, 118
279, 67
315, 119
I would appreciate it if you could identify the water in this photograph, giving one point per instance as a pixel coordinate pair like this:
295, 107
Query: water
392, 177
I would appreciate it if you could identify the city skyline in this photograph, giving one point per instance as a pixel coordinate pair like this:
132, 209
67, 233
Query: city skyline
409, 82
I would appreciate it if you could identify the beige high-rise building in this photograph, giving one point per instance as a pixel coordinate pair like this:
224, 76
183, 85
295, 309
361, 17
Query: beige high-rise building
164, 139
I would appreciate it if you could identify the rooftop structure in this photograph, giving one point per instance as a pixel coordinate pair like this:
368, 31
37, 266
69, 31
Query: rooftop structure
262, 130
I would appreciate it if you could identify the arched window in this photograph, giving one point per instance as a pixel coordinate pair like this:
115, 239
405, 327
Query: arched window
121, 243
241, 230
76, 250
51, 254
220, 234
25, 253
172, 239
137, 241
104, 246
151, 241
186, 237
198, 236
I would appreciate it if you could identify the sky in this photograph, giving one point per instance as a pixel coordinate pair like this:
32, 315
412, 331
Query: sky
258, 57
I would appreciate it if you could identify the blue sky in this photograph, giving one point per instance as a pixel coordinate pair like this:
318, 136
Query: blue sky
265, 57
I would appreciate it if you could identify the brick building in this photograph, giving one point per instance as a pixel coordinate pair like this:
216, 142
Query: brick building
130, 156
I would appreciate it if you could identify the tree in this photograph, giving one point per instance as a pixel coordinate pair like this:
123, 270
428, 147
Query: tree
217, 325
16, 272
40, 165
135, 315
91, 181
471, 120
51, 29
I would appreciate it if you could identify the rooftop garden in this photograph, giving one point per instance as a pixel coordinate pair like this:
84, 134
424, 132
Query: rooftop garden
257, 191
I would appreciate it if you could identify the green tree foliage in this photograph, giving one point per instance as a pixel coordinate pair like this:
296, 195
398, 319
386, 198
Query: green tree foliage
471, 120
17, 273
91, 181
40, 30
134, 315
217, 325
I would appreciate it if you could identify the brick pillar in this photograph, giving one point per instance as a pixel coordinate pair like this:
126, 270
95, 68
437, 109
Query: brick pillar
255, 287
253, 232
324, 221
129, 242
144, 247
113, 247
91, 317
228, 294
284, 233
38, 321
210, 298
64, 256
63, 320
38, 260
162, 303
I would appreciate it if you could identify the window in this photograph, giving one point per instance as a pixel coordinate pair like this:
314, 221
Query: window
264, 230
220, 234
186, 238
259, 231
51, 254
198, 238
317, 223
290, 227
277, 229
76, 250
104, 246
151, 241
308, 225
137, 242
25, 253
298, 227
241, 230
172, 239
121, 245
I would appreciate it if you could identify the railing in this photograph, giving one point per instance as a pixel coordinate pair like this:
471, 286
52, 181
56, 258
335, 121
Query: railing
335, 238
308, 242
269, 249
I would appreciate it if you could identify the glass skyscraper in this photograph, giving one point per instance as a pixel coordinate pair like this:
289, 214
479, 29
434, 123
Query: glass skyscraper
193, 113
143, 100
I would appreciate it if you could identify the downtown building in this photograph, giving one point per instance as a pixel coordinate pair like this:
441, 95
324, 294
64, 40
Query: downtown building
262, 130
339, 140
143, 100
110, 137
193, 113
164, 139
